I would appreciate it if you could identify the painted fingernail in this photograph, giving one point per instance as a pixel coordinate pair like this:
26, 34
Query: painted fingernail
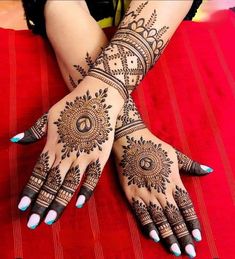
153, 234
175, 249
24, 203
206, 168
33, 221
50, 217
189, 249
17, 137
80, 201
197, 234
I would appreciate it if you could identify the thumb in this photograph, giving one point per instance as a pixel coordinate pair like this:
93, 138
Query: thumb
33, 134
91, 179
192, 167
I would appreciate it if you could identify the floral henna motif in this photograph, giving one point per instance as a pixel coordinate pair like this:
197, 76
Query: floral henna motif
146, 164
38, 176
128, 120
93, 174
177, 224
131, 53
84, 124
186, 206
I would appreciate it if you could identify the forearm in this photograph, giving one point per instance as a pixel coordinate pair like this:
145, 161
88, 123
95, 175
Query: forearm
139, 41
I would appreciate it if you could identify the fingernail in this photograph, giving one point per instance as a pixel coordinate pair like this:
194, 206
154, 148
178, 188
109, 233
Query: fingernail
197, 234
33, 221
189, 249
175, 249
17, 137
153, 234
80, 201
206, 168
50, 217
24, 203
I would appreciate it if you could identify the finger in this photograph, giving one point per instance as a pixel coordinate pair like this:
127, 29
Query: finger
141, 212
36, 180
164, 227
179, 227
48, 192
186, 207
91, 178
33, 134
65, 193
190, 166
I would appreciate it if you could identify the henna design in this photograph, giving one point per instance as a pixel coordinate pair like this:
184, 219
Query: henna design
132, 51
84, 124
186, 206
37, 131
160, 220
128, 120
50, 187
188, 165
93, 174
66, 191
146, 164
38, 176
177, 224
141, 211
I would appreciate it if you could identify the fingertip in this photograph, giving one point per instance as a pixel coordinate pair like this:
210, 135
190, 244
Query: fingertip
50, 217
24, 203
17, 137
197, 235
80, 201
153, 234
206, 168
33, 221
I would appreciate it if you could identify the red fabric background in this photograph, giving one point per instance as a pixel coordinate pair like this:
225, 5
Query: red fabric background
187, 99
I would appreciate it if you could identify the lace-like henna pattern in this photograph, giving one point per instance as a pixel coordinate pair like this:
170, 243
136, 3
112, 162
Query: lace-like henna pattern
188, 165
131, 53
84, 124
177, 224
37, 131
38, 176
186, 206
128, 120
93, 174
160, 220
50, 188
141, 211
146, 164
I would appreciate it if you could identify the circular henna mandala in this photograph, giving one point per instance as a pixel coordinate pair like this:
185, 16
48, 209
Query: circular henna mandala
146, 164
84, 124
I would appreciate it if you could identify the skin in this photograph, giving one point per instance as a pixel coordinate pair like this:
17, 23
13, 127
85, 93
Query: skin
73, 35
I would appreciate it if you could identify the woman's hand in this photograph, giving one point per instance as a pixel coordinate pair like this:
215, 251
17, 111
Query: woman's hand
149, 174
80, 138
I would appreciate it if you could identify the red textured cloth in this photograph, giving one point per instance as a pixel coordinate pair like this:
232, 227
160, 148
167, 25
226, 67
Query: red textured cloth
187, 99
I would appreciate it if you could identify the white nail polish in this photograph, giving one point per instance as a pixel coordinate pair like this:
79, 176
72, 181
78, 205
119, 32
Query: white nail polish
24, 203
80, 201
18, 137
33, 221
50, 217
153, 234
175, 249
189, 249
197, 234
206, 168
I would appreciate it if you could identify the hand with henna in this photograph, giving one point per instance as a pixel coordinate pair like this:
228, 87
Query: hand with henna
148, 169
